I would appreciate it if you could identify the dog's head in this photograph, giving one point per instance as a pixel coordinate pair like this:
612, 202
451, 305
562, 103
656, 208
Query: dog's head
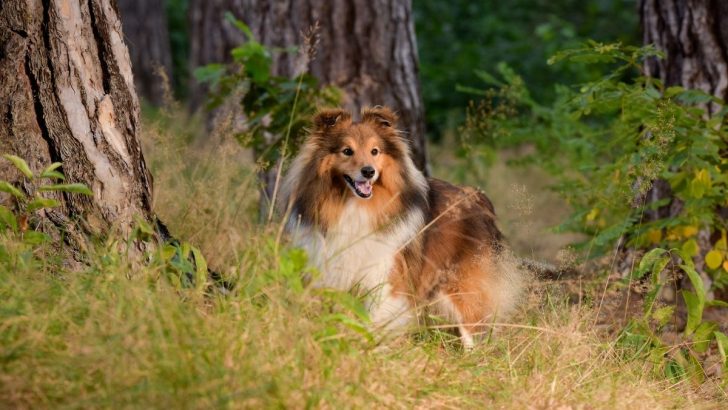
359, 153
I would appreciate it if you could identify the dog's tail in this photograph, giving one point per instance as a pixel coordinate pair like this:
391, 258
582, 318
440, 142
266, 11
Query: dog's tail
544, 270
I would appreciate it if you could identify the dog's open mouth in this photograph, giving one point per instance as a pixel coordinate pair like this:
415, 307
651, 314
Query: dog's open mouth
362, 188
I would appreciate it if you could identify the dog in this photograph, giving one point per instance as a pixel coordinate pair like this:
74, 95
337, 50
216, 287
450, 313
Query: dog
369, 219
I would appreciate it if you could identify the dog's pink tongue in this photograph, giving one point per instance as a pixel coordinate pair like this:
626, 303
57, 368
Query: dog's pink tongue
365, 187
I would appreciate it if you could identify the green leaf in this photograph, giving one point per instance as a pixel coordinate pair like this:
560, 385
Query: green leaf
674, 371
73, 188
239, 25
7, 218
210, 73
167, 252
690, 247
701, 183
694, 96
350, 323
35, 238
52, 167
256, 59
144, 226
488, 78
696, 281
716, 303
20, 164
694, 368
648, 262
703, 336
184, 249
686, 258
40, 203
695, 311
658, 267
200, 269
650, 299
470, 90
52, 175
722, 341
9, 188
673, 91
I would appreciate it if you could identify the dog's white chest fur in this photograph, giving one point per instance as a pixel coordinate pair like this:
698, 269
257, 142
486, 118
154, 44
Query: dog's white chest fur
352, 253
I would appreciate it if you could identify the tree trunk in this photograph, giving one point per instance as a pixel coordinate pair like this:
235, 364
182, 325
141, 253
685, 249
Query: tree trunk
693, 34
366, 47
146, 34
67, 95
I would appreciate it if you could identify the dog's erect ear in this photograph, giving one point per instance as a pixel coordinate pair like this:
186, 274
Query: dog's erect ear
330, 117
379, 115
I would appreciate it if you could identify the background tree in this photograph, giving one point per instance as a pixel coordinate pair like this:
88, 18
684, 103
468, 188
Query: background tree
67, 95
693, 34
367, 48
147, 36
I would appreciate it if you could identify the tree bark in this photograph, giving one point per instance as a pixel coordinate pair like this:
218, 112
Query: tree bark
693, 34
67, 95
366, 47
147, 36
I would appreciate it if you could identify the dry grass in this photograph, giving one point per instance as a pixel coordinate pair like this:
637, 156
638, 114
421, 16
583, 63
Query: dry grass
123, 337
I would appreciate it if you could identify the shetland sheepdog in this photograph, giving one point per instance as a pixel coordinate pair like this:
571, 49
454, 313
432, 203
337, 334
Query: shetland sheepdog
369, 219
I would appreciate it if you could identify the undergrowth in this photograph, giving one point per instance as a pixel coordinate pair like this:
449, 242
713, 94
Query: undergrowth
120, 333
115, 335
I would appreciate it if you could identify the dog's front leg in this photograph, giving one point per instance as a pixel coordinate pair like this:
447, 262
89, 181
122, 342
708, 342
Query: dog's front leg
390, 311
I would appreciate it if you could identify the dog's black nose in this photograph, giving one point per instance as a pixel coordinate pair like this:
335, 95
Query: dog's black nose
368, 172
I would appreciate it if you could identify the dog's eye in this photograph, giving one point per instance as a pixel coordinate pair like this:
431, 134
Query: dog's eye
375, 152
348, 152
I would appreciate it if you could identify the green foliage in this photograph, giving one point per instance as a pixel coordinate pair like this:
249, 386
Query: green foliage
608, 140
17, 225
454, 37
276, 107
20, 220
640, 336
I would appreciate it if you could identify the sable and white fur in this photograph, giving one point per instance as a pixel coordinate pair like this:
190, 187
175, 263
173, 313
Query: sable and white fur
370, 220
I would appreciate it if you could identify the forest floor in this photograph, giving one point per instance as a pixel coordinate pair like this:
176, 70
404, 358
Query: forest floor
119, 335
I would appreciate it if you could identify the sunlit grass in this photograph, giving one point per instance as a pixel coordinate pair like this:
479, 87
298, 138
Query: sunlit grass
119, 334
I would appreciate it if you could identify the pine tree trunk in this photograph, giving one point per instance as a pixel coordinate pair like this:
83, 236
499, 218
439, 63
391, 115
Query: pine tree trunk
67, 95
367, 48
693, 34
147, 36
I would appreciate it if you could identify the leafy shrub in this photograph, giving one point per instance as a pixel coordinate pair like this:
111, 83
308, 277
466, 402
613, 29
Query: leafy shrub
276, 107
21, 220
608, 141
698, 334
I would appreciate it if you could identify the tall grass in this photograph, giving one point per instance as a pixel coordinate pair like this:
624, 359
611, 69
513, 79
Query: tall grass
120, 334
